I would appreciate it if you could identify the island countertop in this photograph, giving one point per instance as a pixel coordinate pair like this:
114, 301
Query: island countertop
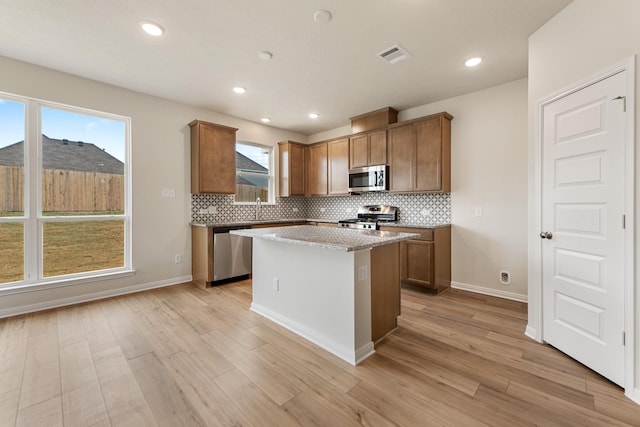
337, 239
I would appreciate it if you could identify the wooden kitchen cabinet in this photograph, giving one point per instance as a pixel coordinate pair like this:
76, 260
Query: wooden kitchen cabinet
292, 158
202, 255
368, 149
426, 261
385, 290
317, 157
338, 161
213, 158
419, 154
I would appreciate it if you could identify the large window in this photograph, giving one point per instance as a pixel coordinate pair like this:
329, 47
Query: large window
64, 191
254, 173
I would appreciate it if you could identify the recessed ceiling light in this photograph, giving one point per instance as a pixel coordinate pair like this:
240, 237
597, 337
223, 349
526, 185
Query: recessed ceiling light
266, 55
322, 16
239, 89
265, 120
151, 28
472, 62
314, 115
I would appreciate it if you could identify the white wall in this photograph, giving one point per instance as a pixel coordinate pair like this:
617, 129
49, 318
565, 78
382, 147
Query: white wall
584, 39
488, 170
160, 159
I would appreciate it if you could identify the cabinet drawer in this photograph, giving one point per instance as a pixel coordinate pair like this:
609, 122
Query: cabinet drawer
425, 233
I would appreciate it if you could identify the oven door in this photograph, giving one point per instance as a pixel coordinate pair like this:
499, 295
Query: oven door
370, 178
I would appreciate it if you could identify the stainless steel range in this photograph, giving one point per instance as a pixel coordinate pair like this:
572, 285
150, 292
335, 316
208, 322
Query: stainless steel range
369, 216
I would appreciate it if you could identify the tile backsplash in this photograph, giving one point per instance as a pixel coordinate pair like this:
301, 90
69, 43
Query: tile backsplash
414, 209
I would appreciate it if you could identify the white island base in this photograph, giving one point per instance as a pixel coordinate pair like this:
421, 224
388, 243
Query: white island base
321, 295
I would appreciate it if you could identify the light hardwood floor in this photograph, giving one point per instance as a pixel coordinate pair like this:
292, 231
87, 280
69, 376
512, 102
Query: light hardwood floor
185, 356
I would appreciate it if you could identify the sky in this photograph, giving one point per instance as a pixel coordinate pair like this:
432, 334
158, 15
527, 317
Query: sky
257, 154
59, 124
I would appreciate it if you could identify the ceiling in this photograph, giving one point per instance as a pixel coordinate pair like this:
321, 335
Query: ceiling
330, 68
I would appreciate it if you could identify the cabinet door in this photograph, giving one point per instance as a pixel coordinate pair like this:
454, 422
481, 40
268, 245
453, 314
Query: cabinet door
401, 158
318, 169
378, 148
338, 152
213, 151
428, 155
296, 169
359, 151
418, 263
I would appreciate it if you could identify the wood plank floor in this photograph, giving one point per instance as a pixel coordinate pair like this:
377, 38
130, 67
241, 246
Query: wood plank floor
185, 356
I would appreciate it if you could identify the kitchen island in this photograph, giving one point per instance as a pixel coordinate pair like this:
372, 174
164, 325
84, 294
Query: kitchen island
338, 288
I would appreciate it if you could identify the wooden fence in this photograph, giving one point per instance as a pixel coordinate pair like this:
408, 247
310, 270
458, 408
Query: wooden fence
64, 191
249, 193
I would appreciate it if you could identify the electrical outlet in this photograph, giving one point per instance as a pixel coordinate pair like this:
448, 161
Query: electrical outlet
322, 209
213, 210
505, 277
178, 259
478, 211
295, 209
276, 284
363, 273
425, 212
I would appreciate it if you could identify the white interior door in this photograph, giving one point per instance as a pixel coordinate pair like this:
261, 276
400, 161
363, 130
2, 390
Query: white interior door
582, 235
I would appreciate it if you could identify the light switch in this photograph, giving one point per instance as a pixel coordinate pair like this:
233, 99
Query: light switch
478, 211
168, 192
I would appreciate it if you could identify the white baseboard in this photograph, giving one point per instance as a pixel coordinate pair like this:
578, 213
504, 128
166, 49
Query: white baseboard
489, 291
634, 395
532, 333
46, 305
352, 356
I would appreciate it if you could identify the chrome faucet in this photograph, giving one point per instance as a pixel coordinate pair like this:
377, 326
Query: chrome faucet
258, 207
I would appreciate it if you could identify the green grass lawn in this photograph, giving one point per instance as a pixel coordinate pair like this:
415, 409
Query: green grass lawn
69, 247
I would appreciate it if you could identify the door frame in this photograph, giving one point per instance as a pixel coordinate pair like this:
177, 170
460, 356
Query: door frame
534, 328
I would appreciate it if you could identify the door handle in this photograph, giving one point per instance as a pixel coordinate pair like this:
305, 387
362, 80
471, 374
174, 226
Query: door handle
546, 235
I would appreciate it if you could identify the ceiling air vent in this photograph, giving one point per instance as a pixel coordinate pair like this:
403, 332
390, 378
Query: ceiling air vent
394, 54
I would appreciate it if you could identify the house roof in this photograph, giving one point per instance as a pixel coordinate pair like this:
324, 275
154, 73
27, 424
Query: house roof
245, 164
65, 155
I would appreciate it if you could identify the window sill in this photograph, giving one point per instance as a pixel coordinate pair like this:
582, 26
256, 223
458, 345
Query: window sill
60, 283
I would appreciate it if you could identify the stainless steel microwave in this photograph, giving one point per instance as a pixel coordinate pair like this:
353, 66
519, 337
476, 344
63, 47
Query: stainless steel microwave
370, 178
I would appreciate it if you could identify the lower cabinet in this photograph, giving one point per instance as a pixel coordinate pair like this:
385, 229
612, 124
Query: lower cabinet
385, 290
426, 261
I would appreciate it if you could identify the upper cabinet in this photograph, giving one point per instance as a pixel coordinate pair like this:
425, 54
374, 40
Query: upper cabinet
328, 168
368, 149
213, 158
338, 159
317, 157
419, 154
292, 158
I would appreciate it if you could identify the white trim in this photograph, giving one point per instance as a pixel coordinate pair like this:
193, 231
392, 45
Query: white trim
348, 355
58, 282
489, 291
30, 308
531, 333
534, 328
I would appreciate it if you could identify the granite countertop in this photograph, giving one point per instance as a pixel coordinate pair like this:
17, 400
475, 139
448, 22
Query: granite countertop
247, 222
337, 239
288, 220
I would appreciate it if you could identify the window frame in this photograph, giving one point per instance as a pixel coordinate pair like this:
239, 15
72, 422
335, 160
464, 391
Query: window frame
33, 220
270, 176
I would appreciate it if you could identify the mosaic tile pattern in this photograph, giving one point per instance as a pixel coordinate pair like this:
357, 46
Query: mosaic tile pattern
413, 209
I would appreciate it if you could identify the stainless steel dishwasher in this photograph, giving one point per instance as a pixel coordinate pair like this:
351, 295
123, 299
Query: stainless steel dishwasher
231, 254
